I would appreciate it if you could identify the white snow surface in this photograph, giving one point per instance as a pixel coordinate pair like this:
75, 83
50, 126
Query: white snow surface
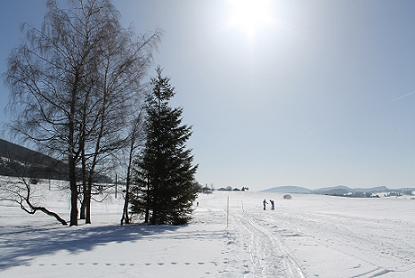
307, 236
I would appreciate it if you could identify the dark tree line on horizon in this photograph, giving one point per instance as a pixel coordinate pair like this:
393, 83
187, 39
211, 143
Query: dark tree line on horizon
77, 85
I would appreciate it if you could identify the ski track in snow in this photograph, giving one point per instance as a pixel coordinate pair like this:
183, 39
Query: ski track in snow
335, 233
268, 257
325, 242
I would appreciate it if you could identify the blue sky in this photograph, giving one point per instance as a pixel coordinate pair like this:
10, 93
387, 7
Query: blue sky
323, 96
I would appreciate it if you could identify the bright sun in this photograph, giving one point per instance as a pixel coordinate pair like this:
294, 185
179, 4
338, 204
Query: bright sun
250, 16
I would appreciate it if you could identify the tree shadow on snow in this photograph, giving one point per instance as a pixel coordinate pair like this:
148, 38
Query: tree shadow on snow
19, 245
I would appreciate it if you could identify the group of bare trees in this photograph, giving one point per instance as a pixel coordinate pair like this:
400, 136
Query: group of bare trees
76, 84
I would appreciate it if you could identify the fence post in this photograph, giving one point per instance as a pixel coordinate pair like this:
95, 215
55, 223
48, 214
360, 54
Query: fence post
227, 213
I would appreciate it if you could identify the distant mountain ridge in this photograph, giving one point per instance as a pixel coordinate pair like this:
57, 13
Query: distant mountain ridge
334, 190
289, 189
340, 190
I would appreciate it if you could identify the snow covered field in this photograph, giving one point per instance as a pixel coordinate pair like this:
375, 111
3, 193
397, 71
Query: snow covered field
307, 236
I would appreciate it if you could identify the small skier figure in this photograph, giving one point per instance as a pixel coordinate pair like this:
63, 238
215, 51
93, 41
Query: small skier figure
197, 204
265, 204
272, 204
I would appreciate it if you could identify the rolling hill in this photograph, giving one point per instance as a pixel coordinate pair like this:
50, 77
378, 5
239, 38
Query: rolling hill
19, 161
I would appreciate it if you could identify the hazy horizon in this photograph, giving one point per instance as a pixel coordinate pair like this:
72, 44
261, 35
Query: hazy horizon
297, 93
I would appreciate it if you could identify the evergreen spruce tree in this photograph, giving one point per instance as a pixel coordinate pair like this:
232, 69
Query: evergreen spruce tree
164, 172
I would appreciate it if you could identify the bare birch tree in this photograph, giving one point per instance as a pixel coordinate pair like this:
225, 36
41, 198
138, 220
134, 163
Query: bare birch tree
135, 138
123, 64
69, 82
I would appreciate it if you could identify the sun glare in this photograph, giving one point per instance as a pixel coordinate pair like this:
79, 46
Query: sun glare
250, 16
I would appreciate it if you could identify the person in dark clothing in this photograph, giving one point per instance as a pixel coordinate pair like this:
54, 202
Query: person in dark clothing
272, 204
265, 204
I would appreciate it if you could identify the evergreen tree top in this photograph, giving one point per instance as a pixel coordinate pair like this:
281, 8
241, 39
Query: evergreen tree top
163, 91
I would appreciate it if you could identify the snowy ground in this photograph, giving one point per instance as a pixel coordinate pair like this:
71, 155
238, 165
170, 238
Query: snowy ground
308, 236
